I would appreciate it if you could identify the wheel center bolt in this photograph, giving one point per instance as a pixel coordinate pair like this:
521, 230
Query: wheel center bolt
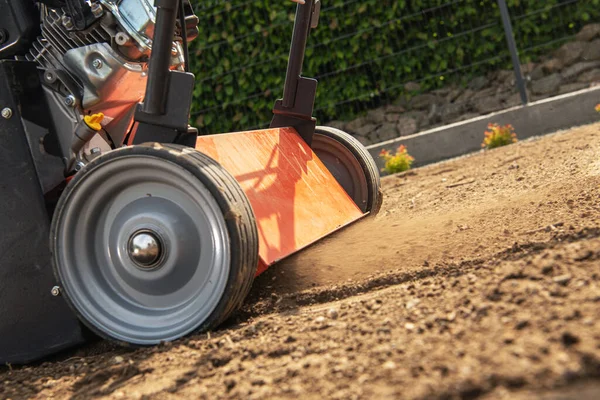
145, 249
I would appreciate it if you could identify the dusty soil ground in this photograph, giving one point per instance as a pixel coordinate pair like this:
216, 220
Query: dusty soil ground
479, 279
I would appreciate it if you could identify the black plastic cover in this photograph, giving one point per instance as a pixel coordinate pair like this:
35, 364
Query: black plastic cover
33, 323
19, 26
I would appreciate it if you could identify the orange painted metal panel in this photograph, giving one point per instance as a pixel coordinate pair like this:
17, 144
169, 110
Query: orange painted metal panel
295, 198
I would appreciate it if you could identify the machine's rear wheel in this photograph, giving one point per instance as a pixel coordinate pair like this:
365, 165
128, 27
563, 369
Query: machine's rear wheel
351, 165
153, 242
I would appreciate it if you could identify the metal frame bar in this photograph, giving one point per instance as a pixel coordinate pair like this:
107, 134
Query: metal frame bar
512, 48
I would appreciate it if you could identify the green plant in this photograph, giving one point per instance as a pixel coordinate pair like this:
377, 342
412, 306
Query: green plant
362, 53
399, 162
499, 136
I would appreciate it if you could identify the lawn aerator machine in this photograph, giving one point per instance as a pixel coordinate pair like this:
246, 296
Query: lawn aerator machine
118, 218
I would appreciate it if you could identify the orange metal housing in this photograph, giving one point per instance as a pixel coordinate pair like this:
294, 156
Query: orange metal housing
295, 198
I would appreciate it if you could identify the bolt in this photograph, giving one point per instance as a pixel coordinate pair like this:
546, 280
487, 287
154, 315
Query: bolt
95, 150
70, 100
67, 22
6, 113
50, 77
97, 63
79, 165
97, 10
55, 291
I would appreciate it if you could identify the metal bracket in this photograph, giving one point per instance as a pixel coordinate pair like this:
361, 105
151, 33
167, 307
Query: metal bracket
316, 14
295, 109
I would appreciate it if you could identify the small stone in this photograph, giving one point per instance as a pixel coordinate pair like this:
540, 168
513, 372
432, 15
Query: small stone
547, 85
412, 303
424, 101
230, 383
522, 323
353, 125
409, 326
452, 111
577, 69
547, 269
484, 93
376, 116
488, 105
290, 339
332, 313
365, 130
588, 33
465, 96
392, 117
412, 87
552, 65
562, 279
118, 359
407, 126
583, 255
538, 73
592, 51
387, 132
389, 365
570, 52
509, 338
478, 83
573, 87
569, 339
589, 76
320, 320
392, 109
453, 94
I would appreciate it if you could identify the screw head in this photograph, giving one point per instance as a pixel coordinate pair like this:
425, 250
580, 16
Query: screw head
97, 63
95, 150
97, 10
70, 100
50, 77
7, 113
79, 165
67, 22
55, 291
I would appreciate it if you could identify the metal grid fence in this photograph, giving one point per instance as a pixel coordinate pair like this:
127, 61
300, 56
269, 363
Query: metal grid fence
390, 68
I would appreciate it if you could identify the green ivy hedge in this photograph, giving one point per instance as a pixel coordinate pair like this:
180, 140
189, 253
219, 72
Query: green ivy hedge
363, 51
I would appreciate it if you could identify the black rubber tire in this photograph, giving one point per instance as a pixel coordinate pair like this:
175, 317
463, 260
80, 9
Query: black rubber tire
372, 204
237, 213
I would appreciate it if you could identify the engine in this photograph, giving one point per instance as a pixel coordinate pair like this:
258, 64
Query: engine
93, 57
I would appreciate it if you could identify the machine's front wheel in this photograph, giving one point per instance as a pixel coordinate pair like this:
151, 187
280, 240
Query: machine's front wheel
153, 242
351, 165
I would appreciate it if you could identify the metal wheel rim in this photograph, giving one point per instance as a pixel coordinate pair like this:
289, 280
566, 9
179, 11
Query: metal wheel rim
116, 199
344, 166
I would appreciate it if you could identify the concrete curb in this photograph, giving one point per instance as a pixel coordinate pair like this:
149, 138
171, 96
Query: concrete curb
535, 119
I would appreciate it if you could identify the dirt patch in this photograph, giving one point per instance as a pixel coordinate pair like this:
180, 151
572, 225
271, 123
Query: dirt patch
479, 279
